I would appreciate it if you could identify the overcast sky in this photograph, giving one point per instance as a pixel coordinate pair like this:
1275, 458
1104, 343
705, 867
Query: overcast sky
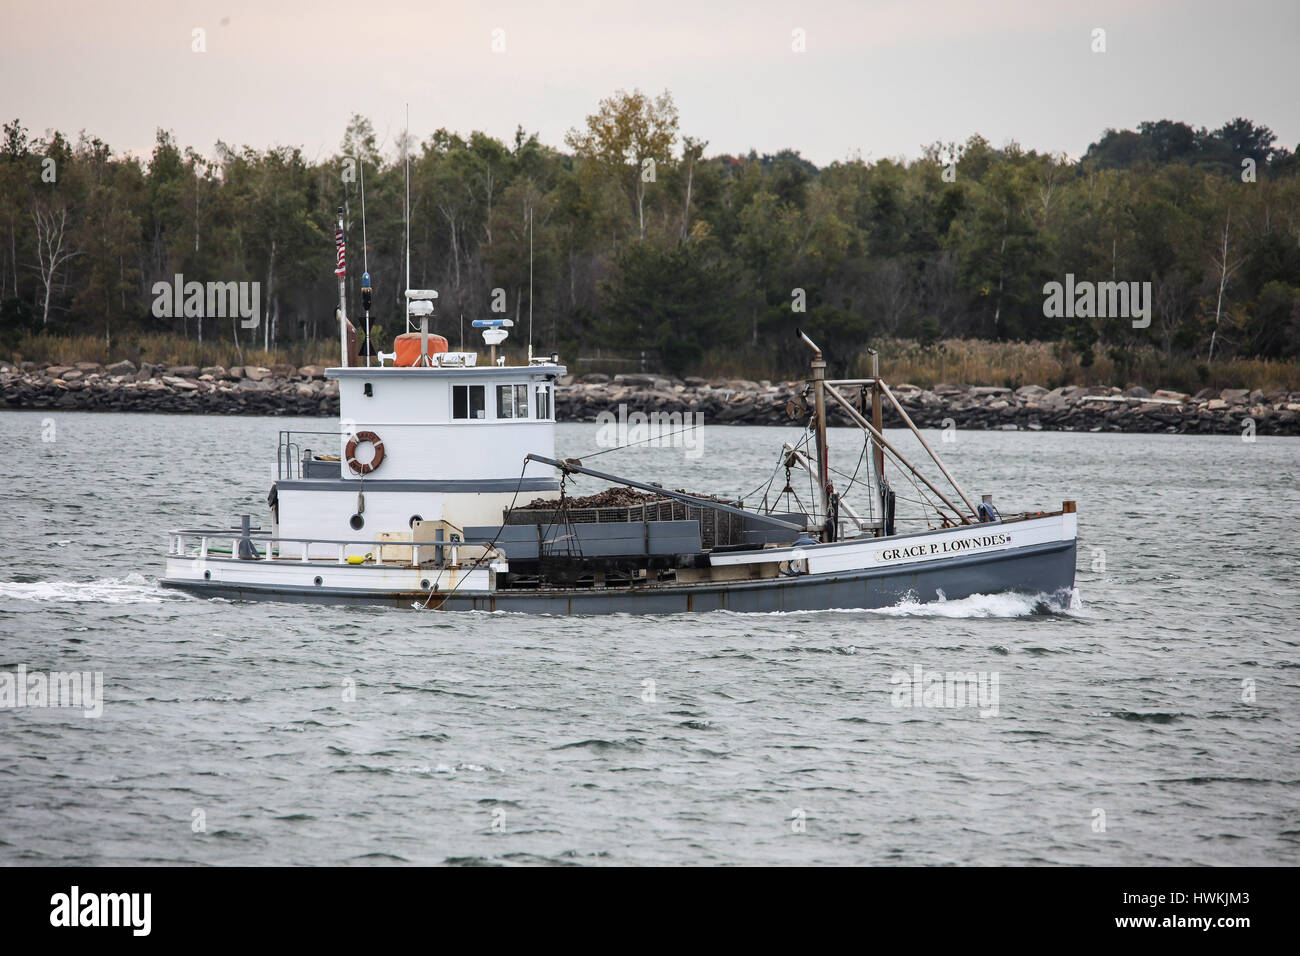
878, 77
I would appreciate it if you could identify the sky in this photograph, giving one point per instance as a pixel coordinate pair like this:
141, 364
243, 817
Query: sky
874, 78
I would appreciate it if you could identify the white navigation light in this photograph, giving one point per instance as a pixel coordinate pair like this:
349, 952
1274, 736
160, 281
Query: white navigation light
494, 336
422, 293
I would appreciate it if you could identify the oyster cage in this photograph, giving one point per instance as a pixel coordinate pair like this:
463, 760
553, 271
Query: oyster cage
717, 528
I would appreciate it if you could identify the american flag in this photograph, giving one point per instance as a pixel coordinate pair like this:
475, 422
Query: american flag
341, 268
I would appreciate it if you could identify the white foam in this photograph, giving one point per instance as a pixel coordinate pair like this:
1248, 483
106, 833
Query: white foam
132, 589
975, 606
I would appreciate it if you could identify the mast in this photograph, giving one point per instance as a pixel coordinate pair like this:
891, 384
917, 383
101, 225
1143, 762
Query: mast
877, 421
823, 449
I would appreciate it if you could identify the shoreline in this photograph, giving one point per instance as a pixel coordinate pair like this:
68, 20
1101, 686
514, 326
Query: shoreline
282, 390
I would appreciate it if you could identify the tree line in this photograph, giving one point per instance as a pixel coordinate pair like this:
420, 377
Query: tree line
631, 236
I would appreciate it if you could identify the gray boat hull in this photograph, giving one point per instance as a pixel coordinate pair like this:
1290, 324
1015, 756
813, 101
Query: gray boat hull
1044, 569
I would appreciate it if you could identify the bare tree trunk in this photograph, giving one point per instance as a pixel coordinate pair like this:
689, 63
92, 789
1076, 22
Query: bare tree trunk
50, 251
640, 205
1226, 269
997, 308
686, 208
270, 293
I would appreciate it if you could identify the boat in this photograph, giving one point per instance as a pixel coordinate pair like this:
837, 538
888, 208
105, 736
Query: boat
440, 489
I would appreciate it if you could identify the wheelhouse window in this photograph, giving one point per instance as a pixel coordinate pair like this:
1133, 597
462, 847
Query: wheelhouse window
468, 401
512, 401
543, 401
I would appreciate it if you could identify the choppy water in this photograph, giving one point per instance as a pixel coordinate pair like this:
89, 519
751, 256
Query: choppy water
769, 739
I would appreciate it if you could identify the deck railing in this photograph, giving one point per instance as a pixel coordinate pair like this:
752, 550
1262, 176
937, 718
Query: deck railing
288, 455
200, 543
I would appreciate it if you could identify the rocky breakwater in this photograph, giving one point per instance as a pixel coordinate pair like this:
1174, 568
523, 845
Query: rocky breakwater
1031, 407
122, 386
285, 390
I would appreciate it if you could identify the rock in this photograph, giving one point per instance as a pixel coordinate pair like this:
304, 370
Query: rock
982, 390
311, 372
56, 371
184, 384
124, 367
1235, 396
281, 371
216, 371
595, 378
89, 367
1137, 391
1030, 391
183, 371
1167, 393
1216, 405
72, 375
258, 373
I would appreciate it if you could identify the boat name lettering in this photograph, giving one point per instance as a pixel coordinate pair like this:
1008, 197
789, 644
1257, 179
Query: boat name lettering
926, 550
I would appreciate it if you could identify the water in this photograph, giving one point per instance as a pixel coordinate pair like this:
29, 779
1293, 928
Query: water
770, 739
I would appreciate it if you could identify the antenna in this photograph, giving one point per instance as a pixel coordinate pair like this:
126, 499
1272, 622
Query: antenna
365, 249
406, 159
365, 259
530, 281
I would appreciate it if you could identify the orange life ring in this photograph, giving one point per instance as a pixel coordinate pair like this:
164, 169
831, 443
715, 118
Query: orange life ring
361, 438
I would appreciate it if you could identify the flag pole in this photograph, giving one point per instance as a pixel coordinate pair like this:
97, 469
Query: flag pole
341, 270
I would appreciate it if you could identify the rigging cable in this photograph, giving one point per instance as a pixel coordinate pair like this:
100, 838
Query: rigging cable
486, 551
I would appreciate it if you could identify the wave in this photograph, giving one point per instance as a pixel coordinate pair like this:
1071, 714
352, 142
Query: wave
1002, 605
132, 589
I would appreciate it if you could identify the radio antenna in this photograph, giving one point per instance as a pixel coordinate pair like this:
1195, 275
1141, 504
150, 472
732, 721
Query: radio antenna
530, 281
365, 259
406, 158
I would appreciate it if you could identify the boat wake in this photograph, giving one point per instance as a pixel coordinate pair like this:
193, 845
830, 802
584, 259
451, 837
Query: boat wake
1003, 605
132, 589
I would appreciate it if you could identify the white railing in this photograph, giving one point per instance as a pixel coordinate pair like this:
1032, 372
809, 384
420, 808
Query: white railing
186, 543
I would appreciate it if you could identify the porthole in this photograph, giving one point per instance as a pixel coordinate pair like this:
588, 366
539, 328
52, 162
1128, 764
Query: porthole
207, 575
424, 585
357, 522
318, 581
414, 519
